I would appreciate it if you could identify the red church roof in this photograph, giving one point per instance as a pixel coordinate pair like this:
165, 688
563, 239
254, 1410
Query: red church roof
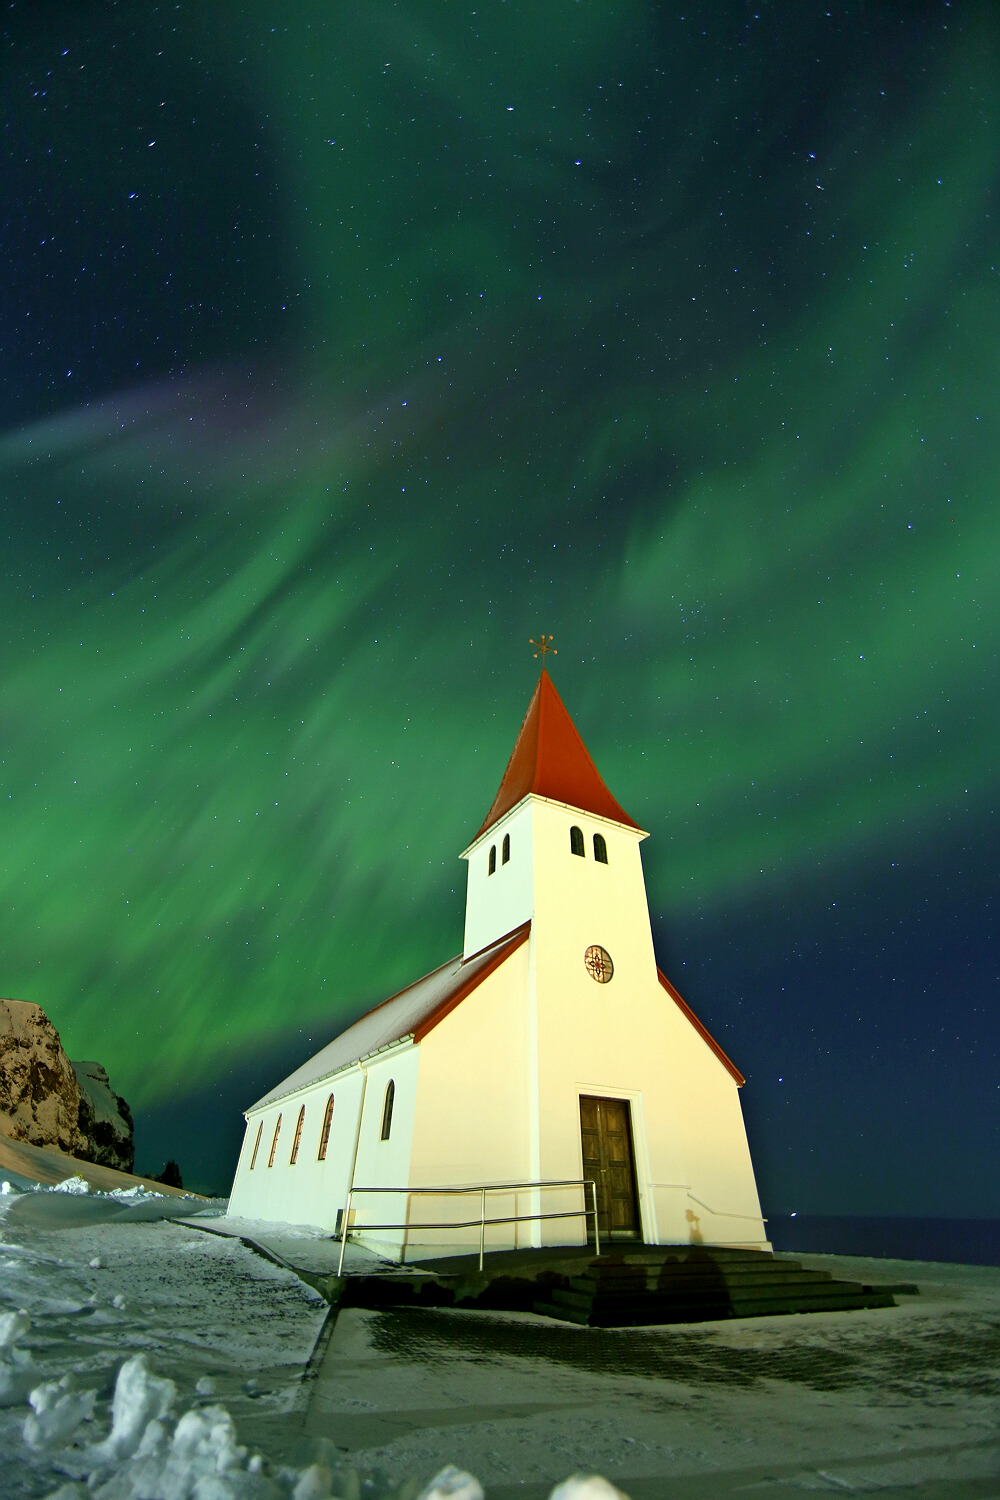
550, 759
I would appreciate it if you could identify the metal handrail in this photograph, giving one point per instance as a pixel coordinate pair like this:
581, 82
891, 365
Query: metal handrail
482, 1189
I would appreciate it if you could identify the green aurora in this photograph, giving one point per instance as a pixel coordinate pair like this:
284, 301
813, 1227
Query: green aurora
623, 322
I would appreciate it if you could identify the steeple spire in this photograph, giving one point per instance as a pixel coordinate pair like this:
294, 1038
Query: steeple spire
550, 759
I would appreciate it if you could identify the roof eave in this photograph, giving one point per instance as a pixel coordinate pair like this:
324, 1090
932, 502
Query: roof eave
400, 1044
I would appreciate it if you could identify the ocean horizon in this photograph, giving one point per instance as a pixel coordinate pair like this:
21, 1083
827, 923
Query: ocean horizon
970, 1242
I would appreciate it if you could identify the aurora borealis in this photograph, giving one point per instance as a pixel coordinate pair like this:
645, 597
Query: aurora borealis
347, 347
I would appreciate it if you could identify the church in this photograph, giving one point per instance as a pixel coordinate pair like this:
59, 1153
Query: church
546, 1084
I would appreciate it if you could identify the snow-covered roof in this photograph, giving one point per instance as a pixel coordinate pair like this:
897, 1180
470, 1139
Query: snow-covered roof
412, 1012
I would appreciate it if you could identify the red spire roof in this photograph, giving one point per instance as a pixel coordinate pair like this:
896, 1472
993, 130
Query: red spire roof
550, 759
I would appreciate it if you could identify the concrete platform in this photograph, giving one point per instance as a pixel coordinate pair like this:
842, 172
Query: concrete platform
904, 1400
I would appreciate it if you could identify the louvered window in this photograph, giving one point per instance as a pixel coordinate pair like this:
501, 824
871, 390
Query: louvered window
256, 1145
576, 842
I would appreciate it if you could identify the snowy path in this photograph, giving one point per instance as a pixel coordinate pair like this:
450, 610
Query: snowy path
205, 1311
142, 1359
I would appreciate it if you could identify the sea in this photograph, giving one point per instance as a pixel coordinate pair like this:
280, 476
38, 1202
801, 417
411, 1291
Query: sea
969, 1242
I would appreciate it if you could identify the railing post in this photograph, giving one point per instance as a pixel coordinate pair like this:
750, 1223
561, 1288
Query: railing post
343, 1232
597, 1232
482, 1231
482, 1189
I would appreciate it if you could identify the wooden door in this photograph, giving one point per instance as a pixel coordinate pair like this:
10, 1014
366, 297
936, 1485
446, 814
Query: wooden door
606, 1131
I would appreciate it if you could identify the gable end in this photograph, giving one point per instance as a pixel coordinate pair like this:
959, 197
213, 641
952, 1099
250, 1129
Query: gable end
518, 936
702, 1031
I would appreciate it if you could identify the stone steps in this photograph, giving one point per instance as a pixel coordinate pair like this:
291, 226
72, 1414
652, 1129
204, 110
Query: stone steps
649, 1287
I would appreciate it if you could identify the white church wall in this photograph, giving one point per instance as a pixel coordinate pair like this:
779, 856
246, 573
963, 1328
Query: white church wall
310, 1191
628, 1039
385, 1163
496, 904
724, 1206
471, 1121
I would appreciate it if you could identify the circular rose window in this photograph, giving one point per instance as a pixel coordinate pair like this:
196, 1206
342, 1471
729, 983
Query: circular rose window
598, 964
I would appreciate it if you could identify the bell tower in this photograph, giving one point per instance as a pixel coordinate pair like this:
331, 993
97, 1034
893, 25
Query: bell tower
558, 850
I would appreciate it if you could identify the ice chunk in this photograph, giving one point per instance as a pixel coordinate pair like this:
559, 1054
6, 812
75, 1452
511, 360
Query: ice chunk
205, 1386
72, 1185
205, 1461
314, 1483
586, 1487
17, 1375
56, 1414
454, 1484
96, 1263
13, 1327
140, 1398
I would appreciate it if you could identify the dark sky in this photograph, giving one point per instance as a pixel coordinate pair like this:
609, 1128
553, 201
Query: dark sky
345, 347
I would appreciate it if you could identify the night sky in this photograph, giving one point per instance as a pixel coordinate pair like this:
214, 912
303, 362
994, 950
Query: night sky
347, 345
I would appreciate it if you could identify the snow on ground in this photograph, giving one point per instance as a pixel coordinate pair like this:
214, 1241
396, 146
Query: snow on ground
152, 1358
128, 1318
145, 1359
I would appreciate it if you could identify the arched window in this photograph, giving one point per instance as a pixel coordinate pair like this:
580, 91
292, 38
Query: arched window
297, 1137
506, 849
256, 1145
600, 849
274, 1143
390, 1094
493, 859
324, 1135
576, 842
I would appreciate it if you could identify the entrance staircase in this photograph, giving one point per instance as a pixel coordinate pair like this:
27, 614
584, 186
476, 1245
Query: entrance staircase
631, 1289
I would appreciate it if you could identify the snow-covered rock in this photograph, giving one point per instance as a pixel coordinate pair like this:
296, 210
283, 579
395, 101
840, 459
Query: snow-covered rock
47, 1100
105, 1119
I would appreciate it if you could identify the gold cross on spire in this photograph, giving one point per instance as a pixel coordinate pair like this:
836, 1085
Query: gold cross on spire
544, 644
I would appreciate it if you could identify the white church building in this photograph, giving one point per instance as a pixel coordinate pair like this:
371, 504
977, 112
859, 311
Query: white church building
549, 1055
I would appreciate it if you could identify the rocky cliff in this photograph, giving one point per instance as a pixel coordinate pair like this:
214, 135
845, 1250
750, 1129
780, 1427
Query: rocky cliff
105, 1119
48, 1101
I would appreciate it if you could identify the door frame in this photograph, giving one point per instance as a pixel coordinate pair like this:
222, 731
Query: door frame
640, 1150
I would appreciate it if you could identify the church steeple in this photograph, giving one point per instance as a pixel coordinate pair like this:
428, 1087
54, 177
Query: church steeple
550, 760
556, 849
